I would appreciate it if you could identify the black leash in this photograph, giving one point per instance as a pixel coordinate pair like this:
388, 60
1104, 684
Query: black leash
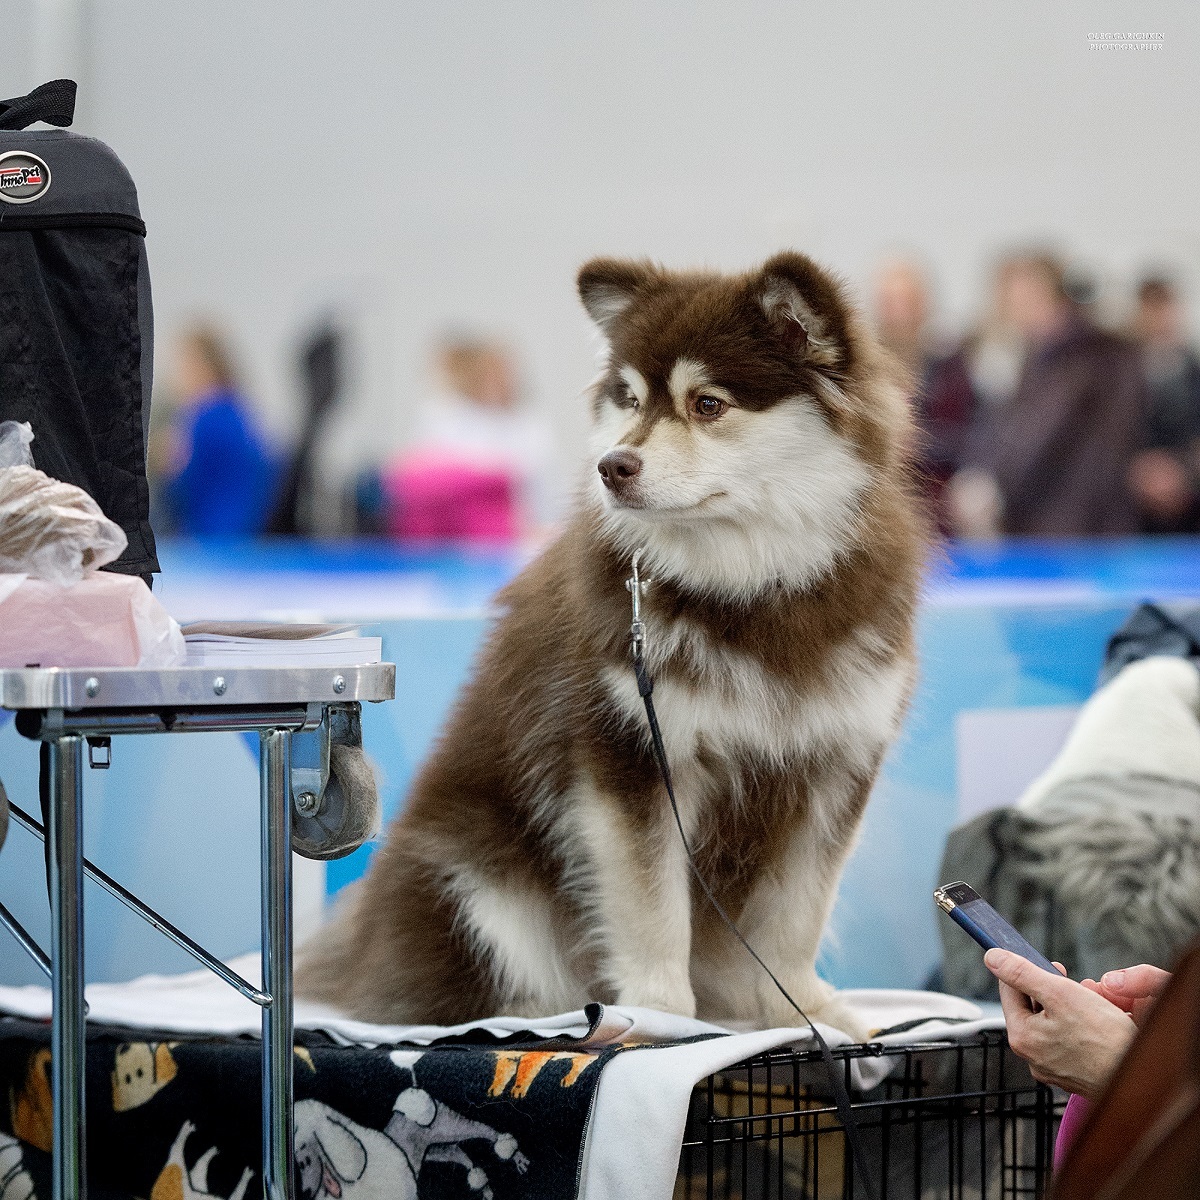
841, 1097
53, 102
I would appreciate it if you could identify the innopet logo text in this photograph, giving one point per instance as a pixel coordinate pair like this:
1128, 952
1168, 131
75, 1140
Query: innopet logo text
19, 177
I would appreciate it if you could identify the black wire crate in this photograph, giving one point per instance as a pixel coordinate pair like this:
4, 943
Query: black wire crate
951, 1121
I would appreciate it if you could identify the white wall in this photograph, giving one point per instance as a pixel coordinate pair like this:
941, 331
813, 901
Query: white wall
455, 162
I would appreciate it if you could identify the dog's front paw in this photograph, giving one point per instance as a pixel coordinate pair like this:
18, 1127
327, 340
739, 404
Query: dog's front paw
661, 994
820, 1003
839, 1015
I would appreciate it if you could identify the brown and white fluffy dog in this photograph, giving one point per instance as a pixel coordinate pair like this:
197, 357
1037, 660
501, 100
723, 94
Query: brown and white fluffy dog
750, 438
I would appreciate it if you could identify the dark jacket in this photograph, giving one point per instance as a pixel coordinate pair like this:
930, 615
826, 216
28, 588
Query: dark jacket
1174, 413
944, 408
1060, 449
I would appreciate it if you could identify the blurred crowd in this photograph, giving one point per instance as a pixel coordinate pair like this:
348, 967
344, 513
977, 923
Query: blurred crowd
474, 467
1041, 421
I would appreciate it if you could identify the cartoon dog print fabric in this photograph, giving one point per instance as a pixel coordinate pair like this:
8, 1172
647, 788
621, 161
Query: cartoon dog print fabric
338, 1159
178, 1181
141, 1071
181, 1120
15, 1181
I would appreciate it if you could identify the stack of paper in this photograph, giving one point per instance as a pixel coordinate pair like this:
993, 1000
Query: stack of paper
235, 644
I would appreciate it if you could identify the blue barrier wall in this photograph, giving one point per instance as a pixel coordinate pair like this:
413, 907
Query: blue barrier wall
972, 657
176, 817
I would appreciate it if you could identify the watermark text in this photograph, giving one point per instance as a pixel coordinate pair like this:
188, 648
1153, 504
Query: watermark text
1125, 41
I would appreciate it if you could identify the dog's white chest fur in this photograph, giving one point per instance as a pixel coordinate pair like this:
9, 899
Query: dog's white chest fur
736, 708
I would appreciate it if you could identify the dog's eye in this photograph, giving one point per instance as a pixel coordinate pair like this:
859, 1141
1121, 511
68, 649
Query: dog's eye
708, 408
628, 400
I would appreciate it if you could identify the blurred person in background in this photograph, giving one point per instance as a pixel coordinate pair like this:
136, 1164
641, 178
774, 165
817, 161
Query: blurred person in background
902, 306
477, 461
213, 469
902, 313
978, 379
1058, 415
1165, 477
305, 503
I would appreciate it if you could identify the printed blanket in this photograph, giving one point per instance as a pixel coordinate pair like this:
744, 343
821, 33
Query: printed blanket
178, 1119
589, 1105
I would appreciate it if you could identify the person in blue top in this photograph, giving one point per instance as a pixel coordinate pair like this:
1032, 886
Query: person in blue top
215, 469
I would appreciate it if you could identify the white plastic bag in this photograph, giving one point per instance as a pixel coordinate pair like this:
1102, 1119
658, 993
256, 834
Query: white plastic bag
15, 437
48, 529
56, 609
159, 637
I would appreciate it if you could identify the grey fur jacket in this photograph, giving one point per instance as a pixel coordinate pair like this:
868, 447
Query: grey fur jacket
1098, 864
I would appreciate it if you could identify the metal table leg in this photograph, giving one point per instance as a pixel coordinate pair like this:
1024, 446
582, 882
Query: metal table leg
67, 1042
276, 846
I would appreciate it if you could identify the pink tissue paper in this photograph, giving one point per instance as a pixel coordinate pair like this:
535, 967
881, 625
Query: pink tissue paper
104, 620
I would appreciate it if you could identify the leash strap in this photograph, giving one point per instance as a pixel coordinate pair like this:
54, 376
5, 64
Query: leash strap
841, 1097
53, 102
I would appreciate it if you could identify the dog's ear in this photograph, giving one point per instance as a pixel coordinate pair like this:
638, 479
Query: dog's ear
608, 286
342, 1150
804, 305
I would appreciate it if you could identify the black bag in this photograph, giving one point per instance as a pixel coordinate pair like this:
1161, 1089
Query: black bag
76, 329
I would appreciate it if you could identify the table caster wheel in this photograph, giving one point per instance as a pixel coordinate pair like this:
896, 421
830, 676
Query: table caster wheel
345, 815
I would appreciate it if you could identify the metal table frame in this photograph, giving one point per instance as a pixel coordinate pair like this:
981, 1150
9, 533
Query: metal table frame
64, 708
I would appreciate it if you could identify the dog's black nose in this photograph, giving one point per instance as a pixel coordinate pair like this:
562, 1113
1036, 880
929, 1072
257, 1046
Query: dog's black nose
618, 467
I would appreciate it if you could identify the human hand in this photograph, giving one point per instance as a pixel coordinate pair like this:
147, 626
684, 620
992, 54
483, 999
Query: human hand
1075, 1038
974, 503
1158, 479
1133, 989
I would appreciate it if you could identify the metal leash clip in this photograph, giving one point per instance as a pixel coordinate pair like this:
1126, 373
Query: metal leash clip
636, 586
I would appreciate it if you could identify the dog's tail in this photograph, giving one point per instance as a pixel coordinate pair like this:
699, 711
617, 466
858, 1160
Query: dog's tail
325, 967
392, 952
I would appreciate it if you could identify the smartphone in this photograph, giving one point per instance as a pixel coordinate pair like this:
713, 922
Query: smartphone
965, 907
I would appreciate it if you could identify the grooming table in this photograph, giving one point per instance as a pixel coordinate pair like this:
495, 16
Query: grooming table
290, 708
